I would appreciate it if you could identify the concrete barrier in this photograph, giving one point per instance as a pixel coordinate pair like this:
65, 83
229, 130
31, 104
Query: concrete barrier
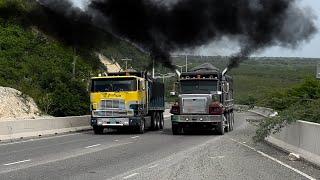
239, 107
301, 138
266, 112
17, 129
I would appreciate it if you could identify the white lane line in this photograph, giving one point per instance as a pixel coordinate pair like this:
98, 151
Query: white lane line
130, 176
217, 157
116, 140
39, 139
17, 162
93, 146
276, 160
156, 165
134, 137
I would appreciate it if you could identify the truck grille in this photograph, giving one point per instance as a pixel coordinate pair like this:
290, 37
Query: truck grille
112, 103
194, 105
109, 113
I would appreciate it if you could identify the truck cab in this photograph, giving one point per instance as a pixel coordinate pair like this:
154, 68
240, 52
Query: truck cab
205, 100
121, 101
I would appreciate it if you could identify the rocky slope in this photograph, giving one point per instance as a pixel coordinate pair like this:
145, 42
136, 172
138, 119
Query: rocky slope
16, 105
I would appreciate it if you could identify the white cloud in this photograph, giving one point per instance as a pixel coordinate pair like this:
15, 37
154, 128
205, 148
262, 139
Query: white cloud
80, 3
305, 49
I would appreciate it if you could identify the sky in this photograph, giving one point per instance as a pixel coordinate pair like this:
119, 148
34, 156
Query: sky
310, 48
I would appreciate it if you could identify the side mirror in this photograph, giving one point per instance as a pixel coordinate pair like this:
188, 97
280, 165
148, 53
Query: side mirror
173, 93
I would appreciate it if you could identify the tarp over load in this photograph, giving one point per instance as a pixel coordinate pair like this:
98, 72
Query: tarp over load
204, 67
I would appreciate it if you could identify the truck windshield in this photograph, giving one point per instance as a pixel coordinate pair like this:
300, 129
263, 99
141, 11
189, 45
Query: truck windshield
198, 87
114, 85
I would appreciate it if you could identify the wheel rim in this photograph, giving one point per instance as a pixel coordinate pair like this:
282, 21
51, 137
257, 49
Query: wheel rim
142, 126
158, 120
222, 128
154, 126
162, 123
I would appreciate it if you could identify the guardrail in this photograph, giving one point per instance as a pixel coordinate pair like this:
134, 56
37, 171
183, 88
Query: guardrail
18, 129
300, 137
265, 112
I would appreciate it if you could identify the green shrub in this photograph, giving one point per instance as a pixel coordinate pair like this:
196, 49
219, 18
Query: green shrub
249, 100
298, 103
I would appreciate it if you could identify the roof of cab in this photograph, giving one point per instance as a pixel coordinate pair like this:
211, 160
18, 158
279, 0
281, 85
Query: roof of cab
113, 77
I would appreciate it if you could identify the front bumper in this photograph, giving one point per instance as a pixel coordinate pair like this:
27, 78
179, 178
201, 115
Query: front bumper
196, 118
114, 122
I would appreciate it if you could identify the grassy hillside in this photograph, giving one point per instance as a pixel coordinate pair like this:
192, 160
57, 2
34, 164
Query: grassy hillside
54, 74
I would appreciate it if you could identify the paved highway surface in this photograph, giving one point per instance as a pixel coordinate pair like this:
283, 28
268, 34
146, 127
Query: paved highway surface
153, 155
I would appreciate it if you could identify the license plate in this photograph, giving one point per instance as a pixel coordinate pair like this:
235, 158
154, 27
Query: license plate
112, 121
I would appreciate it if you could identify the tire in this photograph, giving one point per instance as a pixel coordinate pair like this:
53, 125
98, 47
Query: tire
161, 121
98, 130
232, 120
157, 120
227, 127
220, 128
141, 127
176, 130
153, 121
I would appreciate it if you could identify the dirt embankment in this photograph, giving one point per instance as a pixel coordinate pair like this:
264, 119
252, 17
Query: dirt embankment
16, 105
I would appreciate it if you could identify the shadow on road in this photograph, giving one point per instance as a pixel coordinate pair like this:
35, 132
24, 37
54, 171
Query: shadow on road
192, 132
166, 131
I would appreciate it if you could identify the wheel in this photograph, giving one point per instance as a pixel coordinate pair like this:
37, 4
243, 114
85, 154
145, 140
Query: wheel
153, 121
157, 121
141, 127
227, 127
220, 128
161, 121
176, 129
230, 124
232, 120
98, 130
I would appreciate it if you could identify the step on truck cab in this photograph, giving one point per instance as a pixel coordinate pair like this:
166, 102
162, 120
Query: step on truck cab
126, 100
205, 100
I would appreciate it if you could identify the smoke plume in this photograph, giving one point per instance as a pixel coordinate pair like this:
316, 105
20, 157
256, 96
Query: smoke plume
162, 27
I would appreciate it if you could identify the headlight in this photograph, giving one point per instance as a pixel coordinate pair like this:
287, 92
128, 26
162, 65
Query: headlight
130, 112
97, 113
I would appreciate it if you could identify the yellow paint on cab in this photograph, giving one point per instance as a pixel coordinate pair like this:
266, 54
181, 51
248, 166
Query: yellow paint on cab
129, 96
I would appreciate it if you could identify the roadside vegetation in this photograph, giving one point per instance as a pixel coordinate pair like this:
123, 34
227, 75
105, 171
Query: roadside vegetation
301, 102
56, 76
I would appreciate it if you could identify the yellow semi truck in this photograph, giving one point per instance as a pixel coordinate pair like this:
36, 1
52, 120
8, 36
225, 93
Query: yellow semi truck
126, 100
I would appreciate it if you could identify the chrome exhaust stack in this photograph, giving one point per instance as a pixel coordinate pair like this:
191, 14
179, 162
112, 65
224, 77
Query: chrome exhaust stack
224, 72
178, 72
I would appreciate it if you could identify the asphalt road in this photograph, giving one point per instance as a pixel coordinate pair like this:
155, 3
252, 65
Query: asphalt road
153, 155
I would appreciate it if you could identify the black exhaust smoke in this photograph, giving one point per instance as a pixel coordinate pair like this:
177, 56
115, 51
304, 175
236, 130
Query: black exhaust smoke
161, 27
